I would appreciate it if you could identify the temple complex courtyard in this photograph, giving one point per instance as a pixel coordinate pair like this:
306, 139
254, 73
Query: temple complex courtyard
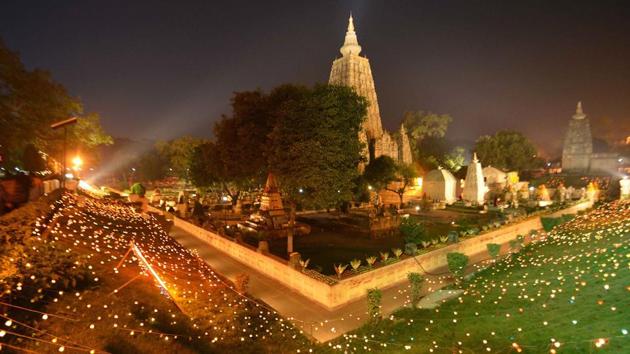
290, 177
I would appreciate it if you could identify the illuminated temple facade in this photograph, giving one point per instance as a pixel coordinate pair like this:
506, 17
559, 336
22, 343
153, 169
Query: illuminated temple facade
354, 71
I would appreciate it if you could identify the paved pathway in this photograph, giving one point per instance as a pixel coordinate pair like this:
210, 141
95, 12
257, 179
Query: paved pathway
315, 320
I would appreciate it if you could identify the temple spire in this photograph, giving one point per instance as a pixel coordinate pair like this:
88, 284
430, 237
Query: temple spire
350, 44
579, 113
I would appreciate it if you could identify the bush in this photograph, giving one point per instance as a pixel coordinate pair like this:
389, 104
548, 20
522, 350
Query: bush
453, 236
138, 189
549, 223
415, 280
493, 250
411, 249
457, 263
412, 231
374, 305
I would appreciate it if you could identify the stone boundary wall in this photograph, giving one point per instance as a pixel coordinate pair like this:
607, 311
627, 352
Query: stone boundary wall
270, 266
354, 288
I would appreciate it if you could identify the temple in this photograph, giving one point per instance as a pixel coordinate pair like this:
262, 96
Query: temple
354, 70
578, 144
577, 153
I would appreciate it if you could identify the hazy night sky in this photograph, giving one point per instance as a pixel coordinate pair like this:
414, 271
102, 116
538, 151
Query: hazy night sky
158, 70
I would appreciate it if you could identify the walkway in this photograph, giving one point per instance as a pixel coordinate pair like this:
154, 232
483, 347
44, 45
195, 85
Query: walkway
315, 320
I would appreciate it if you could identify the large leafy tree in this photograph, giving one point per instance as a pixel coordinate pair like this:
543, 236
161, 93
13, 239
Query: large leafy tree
178, 154
508, 150
429, 146
152, 166
238, 159
421, 125
314, 149
30, 100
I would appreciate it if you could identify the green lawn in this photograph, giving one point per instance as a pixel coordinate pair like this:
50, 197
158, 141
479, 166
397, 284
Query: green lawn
572, 289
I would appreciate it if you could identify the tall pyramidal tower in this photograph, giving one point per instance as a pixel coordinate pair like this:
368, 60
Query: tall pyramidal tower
578, 143
354, 71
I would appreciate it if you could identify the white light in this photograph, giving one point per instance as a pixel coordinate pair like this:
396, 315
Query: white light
69, 175
301, 190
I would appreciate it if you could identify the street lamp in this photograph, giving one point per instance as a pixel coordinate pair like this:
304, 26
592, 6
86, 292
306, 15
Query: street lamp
64, 124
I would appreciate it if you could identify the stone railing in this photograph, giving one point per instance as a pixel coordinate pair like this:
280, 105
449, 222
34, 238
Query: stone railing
334, 295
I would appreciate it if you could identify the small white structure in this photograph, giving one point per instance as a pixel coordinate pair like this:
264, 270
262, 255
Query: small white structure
474, 186
495, 178
440, 185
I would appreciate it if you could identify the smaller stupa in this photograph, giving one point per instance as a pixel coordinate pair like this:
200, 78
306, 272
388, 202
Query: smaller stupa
474, 186
271, 203
271, 219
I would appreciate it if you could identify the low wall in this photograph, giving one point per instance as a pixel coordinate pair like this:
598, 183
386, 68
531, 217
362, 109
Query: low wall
271, 267
354, 288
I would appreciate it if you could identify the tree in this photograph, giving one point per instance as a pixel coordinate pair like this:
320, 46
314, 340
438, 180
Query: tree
238, 159
32, 161
508, 150
178, 153
421, 125
380, 172
384, 173
29, 102
152, 166
429, 146
314, 149
454, 160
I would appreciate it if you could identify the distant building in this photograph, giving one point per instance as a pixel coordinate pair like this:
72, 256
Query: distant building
577, 152
354, 71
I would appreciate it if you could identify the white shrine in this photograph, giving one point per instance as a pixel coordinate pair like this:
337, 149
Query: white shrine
474, 185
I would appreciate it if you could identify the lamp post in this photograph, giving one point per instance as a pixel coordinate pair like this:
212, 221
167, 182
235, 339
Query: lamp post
64, 124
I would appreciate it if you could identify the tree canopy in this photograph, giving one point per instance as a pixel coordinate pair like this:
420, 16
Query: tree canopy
383, 171
427, 137
308, 137
508, 150
315, 149
30, 100
178, 153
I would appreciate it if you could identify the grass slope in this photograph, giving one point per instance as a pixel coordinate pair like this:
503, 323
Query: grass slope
572, 287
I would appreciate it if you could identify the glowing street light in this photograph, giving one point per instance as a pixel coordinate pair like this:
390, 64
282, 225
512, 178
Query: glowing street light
77, 162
